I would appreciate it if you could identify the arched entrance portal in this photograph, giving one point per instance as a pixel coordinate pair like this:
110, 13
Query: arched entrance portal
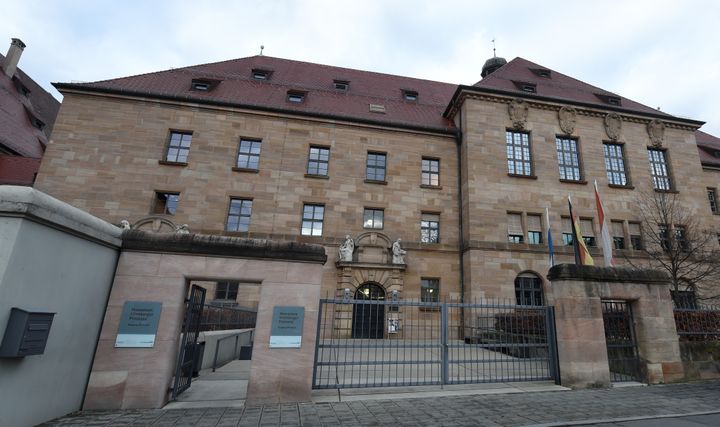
368, 319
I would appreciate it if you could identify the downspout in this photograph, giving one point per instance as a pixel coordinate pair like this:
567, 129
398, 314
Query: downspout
461, 239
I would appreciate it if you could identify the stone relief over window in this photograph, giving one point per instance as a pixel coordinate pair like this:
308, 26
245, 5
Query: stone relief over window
567, 116
656, 131
518, 110
613, 126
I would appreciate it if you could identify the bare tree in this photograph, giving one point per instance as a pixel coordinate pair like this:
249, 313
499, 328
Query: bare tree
678, 243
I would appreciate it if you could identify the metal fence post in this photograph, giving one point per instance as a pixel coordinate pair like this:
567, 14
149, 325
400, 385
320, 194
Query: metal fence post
444, 342
550, 335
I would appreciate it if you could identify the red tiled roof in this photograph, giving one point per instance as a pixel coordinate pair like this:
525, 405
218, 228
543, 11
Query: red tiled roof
557, 86
237, 87
17, 170
16, 131
708, 145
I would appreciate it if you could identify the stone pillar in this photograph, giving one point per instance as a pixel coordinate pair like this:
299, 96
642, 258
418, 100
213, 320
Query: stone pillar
576, 292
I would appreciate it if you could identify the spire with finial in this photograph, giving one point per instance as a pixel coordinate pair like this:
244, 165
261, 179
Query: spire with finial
261, 49
493, 42
493, 63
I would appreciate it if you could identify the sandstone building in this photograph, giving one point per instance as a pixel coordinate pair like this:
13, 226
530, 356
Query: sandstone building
462, 174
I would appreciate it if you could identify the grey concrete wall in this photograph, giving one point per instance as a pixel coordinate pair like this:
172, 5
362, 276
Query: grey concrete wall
226, 351
51, 260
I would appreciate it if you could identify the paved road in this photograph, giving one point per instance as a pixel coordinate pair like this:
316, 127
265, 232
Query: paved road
604, 407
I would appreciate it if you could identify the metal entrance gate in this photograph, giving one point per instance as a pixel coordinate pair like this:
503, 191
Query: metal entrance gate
621, 343
188, 345
434, 343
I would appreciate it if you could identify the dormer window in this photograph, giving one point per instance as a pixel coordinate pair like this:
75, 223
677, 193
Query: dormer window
609, 98
261, 74
37, 123
342, 85
541, 72
410, 95
296, 97
203, 85
526, 86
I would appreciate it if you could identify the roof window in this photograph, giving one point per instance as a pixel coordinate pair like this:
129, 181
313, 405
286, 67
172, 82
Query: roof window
410, 95
260, 74
526, 86
542, 72
377, 108
609, 98
296, 97
204, 85
342, 85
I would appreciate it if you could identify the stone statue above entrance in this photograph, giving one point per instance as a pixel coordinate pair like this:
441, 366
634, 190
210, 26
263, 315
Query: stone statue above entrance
371, 248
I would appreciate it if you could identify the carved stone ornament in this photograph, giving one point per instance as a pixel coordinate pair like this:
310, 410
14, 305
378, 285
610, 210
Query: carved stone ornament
518, 110
567, 117
613, 126
656, 131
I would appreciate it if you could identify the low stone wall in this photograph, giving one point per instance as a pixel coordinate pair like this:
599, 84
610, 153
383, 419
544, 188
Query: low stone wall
701, 359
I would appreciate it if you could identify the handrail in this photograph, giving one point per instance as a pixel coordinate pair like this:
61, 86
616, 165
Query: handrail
237, 337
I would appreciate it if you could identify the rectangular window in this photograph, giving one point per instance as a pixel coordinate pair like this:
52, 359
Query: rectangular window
635, 236
659, 169
248, 154
166, 203
179, 147
312, 220
567, 233
239, 215
615, 164
618, 234
429, 290
296, 97
518, 153
318, 161
515, 231
588, 235
534, 225
664, 236
681, 238
375, 167
684, 299
568, 159
373, 218
430, 228
430, 171
226, 290
712, 198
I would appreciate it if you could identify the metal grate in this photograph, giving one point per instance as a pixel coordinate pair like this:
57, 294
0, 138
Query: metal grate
188, 347
431, 343
621, 342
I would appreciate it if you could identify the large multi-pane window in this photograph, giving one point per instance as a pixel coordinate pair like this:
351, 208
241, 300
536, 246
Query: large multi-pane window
248, 154
430, 228
712, 198
165, 203
373, 218
618, 234
429, 290
312, 220
568, 159
534, 225
375, 170
318, 161
239, 215
430, 172
515, 231
659, 169
179, 147
519, 159
615, 164
528, 290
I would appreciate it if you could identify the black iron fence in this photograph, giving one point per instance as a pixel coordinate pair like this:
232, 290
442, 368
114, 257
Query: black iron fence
698, 322
220, 318
378, 343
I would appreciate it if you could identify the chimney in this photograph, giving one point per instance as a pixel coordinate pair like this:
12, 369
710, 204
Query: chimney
13, 57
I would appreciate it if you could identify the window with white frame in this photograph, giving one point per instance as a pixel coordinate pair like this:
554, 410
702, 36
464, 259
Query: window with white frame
430, 228
659, 169
615, 164
312, 220
519, 158
568, 159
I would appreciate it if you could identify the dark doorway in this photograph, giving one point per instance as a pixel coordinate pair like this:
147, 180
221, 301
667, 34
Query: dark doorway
622, 346
368, 316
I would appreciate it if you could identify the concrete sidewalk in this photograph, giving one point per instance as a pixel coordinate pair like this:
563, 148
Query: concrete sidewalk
549, 408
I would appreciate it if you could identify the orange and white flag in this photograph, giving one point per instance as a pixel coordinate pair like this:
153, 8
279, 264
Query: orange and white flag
607, 243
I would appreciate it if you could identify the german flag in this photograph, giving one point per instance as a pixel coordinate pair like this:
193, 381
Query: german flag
582, 255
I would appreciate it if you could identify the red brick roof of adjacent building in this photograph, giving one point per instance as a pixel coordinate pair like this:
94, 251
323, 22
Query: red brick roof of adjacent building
708, 146
17, 132
17, 170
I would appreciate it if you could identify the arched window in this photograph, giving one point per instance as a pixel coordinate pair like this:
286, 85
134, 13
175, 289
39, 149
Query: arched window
529, 290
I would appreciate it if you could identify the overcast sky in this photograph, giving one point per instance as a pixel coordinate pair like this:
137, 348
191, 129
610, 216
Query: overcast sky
661, 53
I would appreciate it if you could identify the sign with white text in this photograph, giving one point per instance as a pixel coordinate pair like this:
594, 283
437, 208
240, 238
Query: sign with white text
287, 327
138, 324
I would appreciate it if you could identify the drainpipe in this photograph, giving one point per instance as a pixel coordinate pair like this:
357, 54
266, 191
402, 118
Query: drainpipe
461, 239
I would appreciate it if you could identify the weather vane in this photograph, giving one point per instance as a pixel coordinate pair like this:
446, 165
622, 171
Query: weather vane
493, 42
261, 49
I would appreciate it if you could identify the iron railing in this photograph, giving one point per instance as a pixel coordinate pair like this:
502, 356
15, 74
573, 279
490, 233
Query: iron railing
219, 318
698, 322
378, 343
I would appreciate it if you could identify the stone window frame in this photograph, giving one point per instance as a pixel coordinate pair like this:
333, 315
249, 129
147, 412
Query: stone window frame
429, 286
373, 224
313, 219
522, 233
589, 239
526, 159
375, 167
516, 232
575, 164
712, 199
161, 206
175, 160
429, 173
239, 214
314, 163
609, 167
429, 227
248, 155
636, 240
619, 241
529, 290
667, 170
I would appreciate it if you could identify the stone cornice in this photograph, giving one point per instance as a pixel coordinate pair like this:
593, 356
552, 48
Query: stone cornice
607, 274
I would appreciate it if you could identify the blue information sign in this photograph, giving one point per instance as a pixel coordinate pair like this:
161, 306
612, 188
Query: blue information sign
287, 327
138, 324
